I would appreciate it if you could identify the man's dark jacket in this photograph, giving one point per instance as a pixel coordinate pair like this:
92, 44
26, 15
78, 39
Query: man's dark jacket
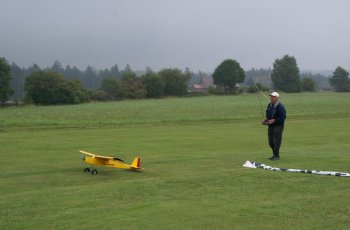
278, 112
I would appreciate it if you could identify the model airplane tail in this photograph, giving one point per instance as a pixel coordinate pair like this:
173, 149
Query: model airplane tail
136, 164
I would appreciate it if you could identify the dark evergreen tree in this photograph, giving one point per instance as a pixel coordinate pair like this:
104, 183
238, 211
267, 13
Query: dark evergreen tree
340, 80
57, 67
126, 70
72, 73
104, 74
5, 79
90, 79
32, 69
17, 82
114, 72
285, 75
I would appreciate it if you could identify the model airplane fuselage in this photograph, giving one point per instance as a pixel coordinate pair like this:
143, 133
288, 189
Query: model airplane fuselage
113, 162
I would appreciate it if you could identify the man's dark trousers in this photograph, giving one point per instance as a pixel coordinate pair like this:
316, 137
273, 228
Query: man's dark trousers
275, 139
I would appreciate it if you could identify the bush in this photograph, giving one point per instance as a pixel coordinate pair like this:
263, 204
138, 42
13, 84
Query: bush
100, 95
50, 88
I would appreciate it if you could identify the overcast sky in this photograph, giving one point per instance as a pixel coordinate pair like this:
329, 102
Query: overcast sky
198, 34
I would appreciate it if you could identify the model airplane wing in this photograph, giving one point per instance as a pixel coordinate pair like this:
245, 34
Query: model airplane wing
94, 155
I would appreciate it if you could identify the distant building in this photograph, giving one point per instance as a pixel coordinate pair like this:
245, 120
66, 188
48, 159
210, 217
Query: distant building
198, 88
203, 85
13, 102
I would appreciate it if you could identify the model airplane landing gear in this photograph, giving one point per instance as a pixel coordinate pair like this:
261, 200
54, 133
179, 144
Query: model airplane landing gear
93, 171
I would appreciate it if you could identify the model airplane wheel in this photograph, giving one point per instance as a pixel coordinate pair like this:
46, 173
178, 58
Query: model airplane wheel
86, 170
94, 172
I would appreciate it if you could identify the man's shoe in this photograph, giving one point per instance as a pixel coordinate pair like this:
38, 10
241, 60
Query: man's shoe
271, 158
274, 158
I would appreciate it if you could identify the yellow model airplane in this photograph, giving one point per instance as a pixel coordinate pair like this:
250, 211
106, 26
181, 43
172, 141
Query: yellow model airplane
114, 162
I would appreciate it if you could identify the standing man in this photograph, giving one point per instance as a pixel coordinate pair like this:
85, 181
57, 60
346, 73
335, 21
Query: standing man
275, 116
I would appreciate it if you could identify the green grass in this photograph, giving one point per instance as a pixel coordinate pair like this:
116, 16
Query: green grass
175, 110
192, 150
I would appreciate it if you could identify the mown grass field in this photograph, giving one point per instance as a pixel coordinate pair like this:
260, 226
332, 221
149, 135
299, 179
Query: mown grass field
192, 150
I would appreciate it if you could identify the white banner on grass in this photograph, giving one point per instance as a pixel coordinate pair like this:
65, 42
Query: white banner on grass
253, 164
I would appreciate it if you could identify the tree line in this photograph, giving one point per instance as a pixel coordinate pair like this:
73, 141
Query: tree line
58, 85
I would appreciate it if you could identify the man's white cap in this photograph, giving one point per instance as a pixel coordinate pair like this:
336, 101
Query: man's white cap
274, 94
